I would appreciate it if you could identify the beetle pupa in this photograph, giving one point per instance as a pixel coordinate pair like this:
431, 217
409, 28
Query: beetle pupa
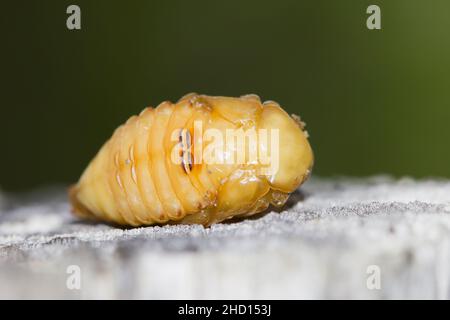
201, 160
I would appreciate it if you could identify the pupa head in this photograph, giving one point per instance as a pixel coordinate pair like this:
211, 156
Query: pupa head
290, 154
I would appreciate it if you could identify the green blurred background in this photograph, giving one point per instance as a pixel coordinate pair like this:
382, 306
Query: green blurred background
375, 101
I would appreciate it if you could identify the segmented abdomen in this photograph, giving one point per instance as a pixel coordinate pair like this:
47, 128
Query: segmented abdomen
133, 178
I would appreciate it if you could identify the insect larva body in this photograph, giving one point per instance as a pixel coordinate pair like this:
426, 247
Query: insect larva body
170, 163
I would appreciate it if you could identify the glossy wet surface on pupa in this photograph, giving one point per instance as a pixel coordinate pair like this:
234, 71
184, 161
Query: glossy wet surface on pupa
167, 166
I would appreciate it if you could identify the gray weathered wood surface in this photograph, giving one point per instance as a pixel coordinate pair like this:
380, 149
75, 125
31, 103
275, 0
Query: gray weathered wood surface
321, 246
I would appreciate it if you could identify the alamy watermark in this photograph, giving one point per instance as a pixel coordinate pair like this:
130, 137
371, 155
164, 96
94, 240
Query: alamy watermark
259, 147
373, 281
73, 21
73, 281
374, 20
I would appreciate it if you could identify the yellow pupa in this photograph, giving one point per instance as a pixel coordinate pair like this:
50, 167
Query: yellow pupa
189, 163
